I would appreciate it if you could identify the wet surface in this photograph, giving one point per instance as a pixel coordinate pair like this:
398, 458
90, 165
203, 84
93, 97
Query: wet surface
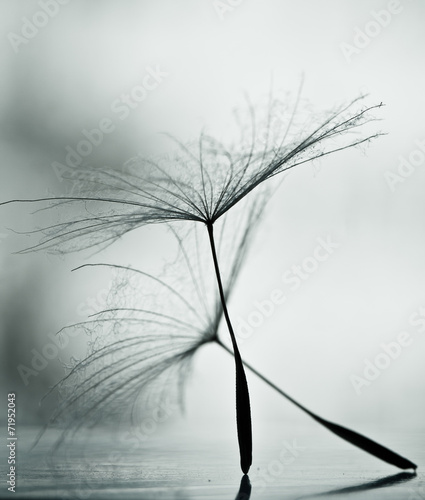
183, 462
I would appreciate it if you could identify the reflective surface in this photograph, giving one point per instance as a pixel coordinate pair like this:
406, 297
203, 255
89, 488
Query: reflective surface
181, 461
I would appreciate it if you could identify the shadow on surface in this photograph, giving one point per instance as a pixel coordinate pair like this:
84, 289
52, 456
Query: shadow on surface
384, 482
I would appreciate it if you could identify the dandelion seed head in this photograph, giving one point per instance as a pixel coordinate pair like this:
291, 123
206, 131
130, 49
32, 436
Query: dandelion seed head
204, 179
143, 342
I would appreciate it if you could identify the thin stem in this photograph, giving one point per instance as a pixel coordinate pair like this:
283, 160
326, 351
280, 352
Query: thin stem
221, 290
243, 407
352, 437
269, 382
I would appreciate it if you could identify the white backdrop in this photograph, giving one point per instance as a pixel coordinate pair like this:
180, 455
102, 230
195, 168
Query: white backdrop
69, 76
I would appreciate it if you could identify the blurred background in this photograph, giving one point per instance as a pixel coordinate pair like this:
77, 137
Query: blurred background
68, 67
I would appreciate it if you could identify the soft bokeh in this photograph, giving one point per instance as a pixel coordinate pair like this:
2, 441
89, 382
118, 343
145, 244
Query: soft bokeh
68, 78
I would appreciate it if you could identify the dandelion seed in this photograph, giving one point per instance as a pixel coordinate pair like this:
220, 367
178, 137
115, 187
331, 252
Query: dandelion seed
144, 334
151, 329
202, 185
202, 182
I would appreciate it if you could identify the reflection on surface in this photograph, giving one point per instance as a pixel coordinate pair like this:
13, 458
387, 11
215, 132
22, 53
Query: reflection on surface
384, 482
244, 492
88, 469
